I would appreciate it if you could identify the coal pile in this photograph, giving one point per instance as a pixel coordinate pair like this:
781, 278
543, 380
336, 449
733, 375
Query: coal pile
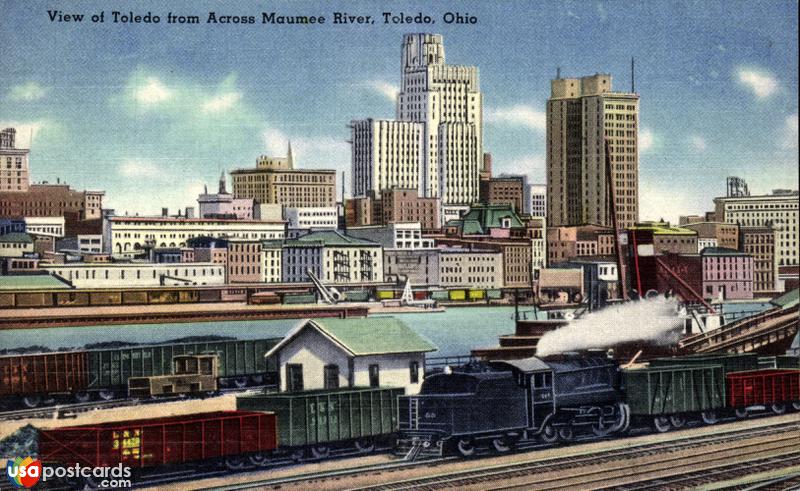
21, 443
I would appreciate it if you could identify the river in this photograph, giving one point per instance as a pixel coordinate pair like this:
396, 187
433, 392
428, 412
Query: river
455, 332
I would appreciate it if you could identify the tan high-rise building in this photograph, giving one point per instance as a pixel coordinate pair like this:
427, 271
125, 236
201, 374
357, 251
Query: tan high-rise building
14, 175
276, 181
581, 113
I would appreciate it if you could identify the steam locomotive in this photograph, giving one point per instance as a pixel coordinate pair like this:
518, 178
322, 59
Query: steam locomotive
553, 400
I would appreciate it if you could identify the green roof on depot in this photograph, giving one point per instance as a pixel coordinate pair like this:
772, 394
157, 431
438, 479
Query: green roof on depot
18, 237
31, 282
329, 238
367, 336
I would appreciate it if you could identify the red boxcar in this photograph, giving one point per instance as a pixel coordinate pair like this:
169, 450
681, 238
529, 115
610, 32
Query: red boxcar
43, 373
160, 441
763, 387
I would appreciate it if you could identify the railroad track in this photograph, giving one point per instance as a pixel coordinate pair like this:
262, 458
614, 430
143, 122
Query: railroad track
380, 472
71, 410
484, 476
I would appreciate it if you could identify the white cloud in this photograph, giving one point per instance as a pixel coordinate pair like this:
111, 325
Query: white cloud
761, 83
698, 143
647, 140
152, 91
30, 91
386, 89
789, 139
221, 102
601, 12
519, 115
139, 168
26, 132
668, 202
276, 142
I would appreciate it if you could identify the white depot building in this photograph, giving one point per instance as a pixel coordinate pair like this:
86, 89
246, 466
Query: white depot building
435, 144
113, 275
126, 236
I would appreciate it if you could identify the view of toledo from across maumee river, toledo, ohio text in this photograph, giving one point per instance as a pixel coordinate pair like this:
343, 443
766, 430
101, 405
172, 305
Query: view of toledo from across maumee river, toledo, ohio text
466, 245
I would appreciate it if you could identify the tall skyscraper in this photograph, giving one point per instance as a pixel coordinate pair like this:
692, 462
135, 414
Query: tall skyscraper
435, 143
13, 163
581, 114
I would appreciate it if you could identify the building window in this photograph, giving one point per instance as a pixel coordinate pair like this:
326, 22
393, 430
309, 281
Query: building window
374, 376
413, 368
331, 376
294, 377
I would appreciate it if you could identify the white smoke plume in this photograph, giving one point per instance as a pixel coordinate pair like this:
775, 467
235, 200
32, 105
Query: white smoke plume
655, 320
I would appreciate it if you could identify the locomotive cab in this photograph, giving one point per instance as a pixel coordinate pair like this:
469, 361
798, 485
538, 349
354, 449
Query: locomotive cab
192, 374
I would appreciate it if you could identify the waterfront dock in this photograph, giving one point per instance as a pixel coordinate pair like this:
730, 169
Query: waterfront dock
150, 314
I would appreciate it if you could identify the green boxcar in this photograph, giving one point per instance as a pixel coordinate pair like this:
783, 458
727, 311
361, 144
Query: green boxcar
730, 363
299, 298
357, 296
779, 362
494, 294
673, 390
111, 368
326, 416
440, 295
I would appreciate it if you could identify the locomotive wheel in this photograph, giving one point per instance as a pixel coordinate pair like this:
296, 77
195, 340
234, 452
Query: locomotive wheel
234, 463
741, 413
106, 395
677, 421
566, 434
709, 417
82, 396
365, 446
661, 424
320, 452
240, 382
796, 405
466, 447
259, 459
549, 434
31, 401
778, 408
502, 444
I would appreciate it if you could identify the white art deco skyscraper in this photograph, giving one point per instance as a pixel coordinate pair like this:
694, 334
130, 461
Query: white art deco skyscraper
435, 144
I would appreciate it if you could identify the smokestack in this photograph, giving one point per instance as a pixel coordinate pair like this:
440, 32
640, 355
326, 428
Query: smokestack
633, 76
164, 212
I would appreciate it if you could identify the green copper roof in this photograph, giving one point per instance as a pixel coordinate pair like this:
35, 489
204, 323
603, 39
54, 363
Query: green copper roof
19, 237
359, 337
31, 282
481, 218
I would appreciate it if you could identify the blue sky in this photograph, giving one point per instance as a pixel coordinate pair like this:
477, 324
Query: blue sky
150, 113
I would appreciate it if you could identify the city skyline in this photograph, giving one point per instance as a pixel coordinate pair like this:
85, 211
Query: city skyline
170, 107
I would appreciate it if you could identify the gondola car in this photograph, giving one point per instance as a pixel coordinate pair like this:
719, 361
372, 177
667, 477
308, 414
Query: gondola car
29, 380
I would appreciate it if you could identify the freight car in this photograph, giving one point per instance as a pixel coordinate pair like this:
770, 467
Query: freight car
310, 424
229, 437
31, 379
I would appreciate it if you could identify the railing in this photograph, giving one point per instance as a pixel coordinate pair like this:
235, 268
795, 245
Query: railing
438, 363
